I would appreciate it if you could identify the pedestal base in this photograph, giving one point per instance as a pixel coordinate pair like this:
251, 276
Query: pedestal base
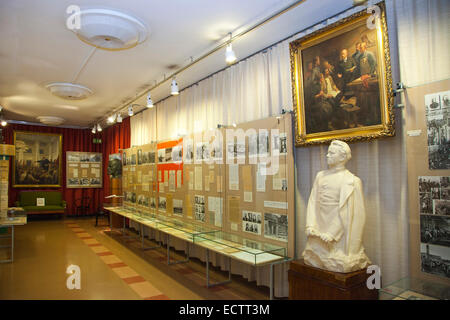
309, 283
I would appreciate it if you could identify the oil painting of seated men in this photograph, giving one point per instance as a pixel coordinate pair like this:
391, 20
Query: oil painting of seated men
341, 83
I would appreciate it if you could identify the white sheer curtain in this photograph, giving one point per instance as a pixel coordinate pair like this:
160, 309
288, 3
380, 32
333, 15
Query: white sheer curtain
261, 86
424, 40
250, 90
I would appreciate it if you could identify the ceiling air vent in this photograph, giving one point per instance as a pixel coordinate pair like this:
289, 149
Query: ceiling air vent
70, 91
110, 29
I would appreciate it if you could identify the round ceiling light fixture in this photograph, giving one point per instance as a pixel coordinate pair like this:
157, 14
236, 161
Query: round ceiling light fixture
110, 29
70, 91
51, 121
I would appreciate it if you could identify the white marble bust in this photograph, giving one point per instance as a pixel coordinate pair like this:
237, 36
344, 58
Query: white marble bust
335, 216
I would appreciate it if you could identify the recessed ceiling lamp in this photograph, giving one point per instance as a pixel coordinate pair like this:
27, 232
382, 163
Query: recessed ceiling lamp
130, 111
4, 123
174, 88
119, 118
230, 56
110, 29
70, 91
149, 101
51, 121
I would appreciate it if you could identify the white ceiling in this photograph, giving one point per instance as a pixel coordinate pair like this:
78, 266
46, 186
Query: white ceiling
37, 48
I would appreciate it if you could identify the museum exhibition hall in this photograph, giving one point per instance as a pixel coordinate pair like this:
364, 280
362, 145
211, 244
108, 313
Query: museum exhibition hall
272, 150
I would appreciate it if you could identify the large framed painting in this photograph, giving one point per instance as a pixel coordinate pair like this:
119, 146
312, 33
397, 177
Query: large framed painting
341, 81
38, 159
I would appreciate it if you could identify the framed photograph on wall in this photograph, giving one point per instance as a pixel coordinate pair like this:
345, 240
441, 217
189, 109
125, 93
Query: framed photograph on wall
37, 162
85, 169
341, 81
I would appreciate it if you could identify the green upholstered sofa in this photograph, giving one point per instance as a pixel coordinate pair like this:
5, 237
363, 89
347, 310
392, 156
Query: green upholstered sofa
54, 204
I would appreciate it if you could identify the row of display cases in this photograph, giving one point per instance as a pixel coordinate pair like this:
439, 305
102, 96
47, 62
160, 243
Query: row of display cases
252, 252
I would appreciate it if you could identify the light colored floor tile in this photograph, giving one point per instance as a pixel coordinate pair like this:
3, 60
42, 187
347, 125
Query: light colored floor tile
99, 249
145, 289
83, 234
90, 241
110, 259
125, 272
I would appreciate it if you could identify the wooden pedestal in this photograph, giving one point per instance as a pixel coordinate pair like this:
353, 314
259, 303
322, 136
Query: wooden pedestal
309, 283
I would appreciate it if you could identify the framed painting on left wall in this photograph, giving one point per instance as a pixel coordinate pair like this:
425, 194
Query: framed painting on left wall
38, 159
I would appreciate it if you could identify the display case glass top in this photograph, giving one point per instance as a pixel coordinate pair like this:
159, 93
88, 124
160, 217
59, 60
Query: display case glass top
241, 248
415, 289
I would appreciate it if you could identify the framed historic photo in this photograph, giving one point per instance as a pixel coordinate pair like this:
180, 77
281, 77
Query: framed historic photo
341, 81
38, 159
84, 170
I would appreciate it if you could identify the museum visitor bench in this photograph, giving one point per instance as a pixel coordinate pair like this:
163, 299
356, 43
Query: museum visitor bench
31, 202
229, 245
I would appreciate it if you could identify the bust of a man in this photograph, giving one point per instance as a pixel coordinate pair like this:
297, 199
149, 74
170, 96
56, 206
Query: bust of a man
335, 216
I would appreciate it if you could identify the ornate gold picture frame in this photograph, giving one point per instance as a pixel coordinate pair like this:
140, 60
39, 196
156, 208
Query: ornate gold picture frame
38, 159
341, 81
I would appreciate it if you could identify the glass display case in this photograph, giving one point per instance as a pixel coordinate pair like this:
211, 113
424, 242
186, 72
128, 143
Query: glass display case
240, 248
184, 229
415, 289
16, 212
180, 229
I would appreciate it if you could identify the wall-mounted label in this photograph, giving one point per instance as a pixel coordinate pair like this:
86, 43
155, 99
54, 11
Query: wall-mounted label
414, 133
276, 204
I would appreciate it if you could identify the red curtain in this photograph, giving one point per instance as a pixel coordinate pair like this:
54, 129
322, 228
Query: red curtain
113, 138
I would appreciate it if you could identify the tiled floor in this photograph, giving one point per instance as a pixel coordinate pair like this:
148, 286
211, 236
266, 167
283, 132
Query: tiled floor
111, 268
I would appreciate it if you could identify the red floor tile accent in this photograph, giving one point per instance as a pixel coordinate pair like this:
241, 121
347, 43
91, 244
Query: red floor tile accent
117, 265
89, 237
134, 279
106, 253
158, 297
94, 245
82, 231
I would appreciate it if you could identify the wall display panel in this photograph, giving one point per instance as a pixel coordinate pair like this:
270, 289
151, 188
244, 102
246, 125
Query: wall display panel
129, 176
204, 176
139, 178
146, 178
170, 178
84, 169
259, 182
234, 179
437, 109
428, 178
